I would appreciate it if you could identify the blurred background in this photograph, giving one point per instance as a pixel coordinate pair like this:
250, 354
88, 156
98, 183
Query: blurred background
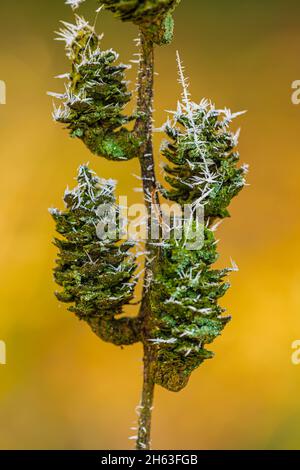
64, 389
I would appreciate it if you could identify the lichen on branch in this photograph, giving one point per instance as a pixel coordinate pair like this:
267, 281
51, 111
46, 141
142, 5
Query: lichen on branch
154, 17
179, 310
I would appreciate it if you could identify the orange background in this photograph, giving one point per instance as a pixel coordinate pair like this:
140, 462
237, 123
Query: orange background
62, 388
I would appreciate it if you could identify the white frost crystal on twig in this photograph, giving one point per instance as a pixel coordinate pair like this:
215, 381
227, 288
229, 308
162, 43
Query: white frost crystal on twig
74, 4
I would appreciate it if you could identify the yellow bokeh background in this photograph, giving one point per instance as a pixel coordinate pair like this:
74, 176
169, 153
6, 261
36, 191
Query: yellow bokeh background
64, 389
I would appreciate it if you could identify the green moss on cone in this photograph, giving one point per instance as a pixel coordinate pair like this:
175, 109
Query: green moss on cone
184, 301
96, 95
96, 274
202, 151
153, 16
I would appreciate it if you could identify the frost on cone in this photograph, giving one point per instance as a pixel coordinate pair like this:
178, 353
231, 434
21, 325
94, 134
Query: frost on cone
202, 151
95, 94
186, 289
204, 160
96, 274
184, 300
